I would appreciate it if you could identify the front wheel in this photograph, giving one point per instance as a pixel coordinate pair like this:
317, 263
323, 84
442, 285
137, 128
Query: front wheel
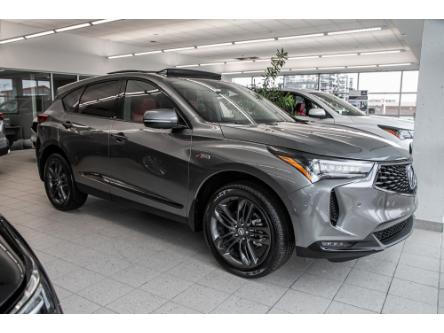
248, 230
60, 187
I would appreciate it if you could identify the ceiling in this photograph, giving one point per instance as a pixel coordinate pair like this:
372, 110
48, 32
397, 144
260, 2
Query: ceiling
147, 35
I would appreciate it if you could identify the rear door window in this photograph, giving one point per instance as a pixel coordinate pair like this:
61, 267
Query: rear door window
101, 99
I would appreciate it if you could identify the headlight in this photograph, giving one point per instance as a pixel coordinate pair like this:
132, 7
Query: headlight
400, 133
315, 169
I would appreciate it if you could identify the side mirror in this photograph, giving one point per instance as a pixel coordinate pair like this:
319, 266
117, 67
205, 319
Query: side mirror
161, 118
317, 113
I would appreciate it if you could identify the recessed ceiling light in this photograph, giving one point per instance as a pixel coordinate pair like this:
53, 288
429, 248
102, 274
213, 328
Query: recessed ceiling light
263, 60
395, 65
212, 64
361, 66
339, 55
214, 45
254, 41
301, 36
11, 40
147, 52
179, 49
186, 66
239, 62
343, 32
231, 73
327, 68
380, 52
104, 21
121, 56
304, 57
40, 34
73, 27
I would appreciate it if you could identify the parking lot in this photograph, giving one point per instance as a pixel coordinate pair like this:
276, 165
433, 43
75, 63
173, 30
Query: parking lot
107, 258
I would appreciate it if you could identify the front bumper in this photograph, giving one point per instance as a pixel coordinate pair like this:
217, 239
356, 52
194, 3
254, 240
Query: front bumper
365, 213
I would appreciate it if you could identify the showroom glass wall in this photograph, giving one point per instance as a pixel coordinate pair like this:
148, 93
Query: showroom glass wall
389, 93
24, 94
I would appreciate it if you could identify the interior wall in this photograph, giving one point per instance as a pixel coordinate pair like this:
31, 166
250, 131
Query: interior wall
428, 146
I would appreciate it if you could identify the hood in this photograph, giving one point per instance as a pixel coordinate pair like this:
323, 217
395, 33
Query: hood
12, 268
324, 140
382, 120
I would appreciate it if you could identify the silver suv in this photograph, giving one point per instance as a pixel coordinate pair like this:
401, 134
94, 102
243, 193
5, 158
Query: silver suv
221, 158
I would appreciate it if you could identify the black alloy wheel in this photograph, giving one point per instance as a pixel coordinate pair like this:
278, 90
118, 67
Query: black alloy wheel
248, 230
60, 186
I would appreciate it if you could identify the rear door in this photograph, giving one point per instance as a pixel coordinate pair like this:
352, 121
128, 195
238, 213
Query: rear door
148, 165
88, 124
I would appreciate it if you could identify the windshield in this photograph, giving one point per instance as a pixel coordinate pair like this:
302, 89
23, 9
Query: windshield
338, 105
223, 102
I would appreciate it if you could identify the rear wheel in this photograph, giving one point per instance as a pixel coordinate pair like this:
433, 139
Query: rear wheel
60, 186
248, 230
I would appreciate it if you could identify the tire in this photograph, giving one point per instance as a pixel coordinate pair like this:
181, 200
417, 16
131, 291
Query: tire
263, 235
60, 186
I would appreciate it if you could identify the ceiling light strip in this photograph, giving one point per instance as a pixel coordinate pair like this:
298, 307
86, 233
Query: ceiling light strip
40, 34
11, 40
73, 27
263, 40
104, 21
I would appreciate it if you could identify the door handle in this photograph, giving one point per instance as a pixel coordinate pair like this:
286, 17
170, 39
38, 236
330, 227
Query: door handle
67, 124
119, 137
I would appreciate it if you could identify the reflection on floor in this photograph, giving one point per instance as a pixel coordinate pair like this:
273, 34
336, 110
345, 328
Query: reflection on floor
105, 258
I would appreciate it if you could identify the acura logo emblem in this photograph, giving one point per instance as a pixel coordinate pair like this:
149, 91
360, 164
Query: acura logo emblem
411, 177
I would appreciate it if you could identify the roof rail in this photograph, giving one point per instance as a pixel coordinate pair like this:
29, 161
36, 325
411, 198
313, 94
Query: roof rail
191, 73
131, 71
176, 72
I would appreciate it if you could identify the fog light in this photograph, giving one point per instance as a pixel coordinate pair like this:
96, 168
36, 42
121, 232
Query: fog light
335, 245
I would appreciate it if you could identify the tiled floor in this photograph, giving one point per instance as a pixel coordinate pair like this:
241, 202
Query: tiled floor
105, 258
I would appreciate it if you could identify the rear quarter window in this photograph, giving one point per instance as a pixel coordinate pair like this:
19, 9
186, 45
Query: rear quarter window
71, 100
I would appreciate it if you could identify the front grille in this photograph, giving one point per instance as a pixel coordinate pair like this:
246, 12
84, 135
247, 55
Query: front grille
334, 208
388, 235
394, 178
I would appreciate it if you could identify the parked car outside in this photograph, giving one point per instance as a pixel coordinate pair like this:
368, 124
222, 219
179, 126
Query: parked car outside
221, 158
24, 285
4, 144
318, 106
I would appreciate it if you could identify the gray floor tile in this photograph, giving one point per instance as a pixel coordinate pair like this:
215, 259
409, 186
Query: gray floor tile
237, 305
223, 281
417, 275
396, 304
137, 301
166, 286
297, 302
331, 270
59, 267
363, 298
368, 280
173, 308
108, 266
135, 275
278, 311
200, 298
263, 293
423, 249
78, 305
342, 308
78, 279
105, 291
317, 285
378, 266
420, 261
414, 291
191, 270
103, 310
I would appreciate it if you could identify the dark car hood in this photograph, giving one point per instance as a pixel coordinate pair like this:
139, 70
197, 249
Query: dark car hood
12, 268
319, 139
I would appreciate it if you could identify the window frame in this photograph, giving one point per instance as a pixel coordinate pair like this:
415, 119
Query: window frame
117, 101
179, 112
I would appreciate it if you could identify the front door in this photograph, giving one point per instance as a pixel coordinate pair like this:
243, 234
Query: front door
147, 165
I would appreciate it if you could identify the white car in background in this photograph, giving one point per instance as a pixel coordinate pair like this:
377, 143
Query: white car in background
314, 105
